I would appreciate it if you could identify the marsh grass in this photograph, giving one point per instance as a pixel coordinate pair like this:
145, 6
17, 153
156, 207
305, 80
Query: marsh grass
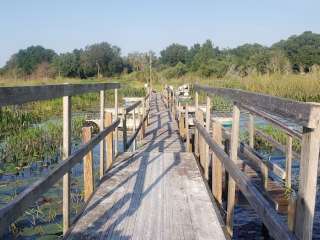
299, 87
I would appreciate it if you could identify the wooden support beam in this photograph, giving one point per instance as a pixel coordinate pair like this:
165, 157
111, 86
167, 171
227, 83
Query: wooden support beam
125, 133
66, 150
234, 144
208, 121
109, 142
201, 143
251, 130
88, 179
116, 109
292, 211
187, 129
196, 133
102, 144
143, 129
307, 183
288, 161
217, 171
8, 95
134, 129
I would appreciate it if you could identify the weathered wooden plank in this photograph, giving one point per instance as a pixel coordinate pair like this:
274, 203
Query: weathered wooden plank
196, 134
216, 163
307, 183
66, 150
201, 142
234, 145
109, 143
208, 122
305, 114
187, 129
28, 197
88, 179
251, 129
288, 161
102, 155
116, 109
134, 130
124, 131
270, 218
24, 94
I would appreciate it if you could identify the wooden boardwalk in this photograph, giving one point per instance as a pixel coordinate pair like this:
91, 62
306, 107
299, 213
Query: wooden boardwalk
156, 192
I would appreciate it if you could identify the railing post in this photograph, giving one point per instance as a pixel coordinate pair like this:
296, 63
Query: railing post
134, 128
216, 163
65, 154
208, 121
124, 127
251, 131
196, 132
173, 103
201, 142
187, 129
109, 142
288, 161
116, 109
234, 144
88, 179
141, 133
307, 182
143, 129
102, 144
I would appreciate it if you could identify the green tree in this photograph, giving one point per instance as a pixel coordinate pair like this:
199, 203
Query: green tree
67, 65
174, 54
303, 50
26, 60
103, 58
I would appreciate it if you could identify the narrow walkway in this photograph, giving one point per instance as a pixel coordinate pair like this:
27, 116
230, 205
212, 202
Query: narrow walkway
157, 193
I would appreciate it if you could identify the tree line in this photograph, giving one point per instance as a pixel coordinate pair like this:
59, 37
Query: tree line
297, 54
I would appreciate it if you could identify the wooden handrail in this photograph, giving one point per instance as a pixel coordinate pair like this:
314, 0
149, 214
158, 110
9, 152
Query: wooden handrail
132, 106
20, 95
305, 114
269, 216
24, 200
274, 122
134, 135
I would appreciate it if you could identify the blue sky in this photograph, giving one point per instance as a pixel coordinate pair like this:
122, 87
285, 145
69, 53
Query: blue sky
137, 25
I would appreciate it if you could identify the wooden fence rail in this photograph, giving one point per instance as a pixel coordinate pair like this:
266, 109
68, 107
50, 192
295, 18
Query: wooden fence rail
142, 125
265, 211
20, 95
306, 115
274, 110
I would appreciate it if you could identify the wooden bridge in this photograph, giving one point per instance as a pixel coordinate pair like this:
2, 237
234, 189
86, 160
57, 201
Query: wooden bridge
163, 187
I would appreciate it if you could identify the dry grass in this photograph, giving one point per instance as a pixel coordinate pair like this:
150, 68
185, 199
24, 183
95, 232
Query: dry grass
299, 87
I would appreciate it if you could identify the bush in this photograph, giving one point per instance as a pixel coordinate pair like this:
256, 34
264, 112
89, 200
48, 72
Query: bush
175, 72
214, 67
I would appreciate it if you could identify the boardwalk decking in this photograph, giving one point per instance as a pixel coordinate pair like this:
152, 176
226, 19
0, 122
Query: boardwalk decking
155, 193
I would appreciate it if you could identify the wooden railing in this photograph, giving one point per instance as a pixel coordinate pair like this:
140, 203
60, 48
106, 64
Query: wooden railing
143, 115
307, 115
26, 199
